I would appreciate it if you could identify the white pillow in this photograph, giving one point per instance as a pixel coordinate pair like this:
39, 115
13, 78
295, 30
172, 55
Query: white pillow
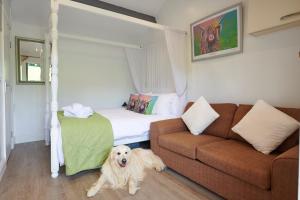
175, 105
166, 104
265, 127
199, 116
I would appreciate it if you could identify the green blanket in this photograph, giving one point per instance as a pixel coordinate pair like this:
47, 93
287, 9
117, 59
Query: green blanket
86, 142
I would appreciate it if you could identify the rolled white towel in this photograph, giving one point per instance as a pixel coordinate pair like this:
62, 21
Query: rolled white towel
77, 110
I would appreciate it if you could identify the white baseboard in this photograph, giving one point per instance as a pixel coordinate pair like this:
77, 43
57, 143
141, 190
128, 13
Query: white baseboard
29, 139
2, 167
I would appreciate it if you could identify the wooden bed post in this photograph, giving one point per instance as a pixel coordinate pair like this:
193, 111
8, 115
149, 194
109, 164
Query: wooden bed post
47, 108
54, 86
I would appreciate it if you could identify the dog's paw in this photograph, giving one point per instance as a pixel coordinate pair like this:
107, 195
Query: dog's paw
133, 191
92, 192
159, 168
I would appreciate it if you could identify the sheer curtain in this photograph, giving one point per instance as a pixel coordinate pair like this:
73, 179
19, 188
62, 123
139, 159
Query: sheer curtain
158, 72
150, 66
176, 45
137, 62
161, 65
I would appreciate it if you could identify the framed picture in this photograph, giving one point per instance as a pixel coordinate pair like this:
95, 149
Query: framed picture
219, 34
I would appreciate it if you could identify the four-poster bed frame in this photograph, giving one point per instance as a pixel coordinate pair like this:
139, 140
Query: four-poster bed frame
52, 39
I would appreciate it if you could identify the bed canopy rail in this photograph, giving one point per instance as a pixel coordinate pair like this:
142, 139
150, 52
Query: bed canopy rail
129, 24
100, 41
107, 13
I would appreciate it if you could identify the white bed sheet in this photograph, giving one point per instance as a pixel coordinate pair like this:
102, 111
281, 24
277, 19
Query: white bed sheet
125, 124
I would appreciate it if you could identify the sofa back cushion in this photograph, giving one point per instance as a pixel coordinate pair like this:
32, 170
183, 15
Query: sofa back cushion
291, 141
222, 125
188, 105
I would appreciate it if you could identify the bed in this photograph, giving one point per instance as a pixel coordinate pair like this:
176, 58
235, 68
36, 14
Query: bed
165, 71
128, 127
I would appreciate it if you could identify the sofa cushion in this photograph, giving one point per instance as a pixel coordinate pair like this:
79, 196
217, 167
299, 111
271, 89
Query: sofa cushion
291, 141
199, 116
238, 159
185, 143
221, 126
241, 111
266, 127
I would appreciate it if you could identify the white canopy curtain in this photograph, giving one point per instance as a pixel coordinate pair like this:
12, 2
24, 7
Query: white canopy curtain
136, 61
176, 45
150, 66
161, 65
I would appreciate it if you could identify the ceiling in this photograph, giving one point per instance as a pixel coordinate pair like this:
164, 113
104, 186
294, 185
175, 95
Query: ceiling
36, 12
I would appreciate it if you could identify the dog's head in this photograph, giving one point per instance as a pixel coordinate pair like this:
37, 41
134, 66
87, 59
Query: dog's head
120, 155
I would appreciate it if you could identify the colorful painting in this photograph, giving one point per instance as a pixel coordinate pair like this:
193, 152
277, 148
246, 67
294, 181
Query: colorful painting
218, 34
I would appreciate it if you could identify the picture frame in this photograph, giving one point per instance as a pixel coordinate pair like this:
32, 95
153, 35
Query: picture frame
30, 48
219, 34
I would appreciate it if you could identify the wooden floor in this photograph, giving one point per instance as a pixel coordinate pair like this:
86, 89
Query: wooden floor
27, 177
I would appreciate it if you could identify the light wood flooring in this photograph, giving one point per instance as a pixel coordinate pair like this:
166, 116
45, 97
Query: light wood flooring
27, 177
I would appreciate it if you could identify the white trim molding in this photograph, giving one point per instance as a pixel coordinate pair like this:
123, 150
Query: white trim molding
2, 168
2, 87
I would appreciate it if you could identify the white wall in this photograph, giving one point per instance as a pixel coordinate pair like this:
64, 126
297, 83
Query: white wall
269, 67
29, 100
93, 74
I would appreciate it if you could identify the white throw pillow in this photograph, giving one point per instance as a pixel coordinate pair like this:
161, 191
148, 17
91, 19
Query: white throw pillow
166, 104
265, 127
199, 116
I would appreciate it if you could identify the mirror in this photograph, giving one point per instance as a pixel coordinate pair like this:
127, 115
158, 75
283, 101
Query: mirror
30, 61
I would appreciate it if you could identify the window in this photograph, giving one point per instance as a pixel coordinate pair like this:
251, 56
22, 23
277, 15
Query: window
34, 72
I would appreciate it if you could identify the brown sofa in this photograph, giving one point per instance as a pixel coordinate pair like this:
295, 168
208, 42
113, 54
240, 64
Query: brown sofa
225, 163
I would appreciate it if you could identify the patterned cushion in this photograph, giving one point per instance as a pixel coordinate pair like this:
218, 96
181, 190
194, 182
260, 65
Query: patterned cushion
146, 104
133, 102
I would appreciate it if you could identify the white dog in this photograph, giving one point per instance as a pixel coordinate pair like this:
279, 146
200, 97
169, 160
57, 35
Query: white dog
125, 166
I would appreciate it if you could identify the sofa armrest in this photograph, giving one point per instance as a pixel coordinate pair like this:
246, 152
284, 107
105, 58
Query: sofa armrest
285, 175
164, 127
